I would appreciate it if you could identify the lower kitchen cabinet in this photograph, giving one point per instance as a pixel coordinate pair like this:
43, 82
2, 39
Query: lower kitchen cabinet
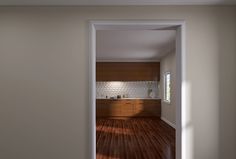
128, 107
148, 107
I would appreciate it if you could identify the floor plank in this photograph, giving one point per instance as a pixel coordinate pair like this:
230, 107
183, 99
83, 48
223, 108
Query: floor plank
135, 138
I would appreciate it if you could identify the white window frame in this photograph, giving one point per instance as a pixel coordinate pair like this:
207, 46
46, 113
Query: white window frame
165, 88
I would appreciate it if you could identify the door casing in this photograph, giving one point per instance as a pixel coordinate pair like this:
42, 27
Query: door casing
181, 94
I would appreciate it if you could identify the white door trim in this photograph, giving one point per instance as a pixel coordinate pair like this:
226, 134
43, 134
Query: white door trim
179, 26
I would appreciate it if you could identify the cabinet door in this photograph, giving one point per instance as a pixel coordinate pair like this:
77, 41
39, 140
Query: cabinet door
114, 108
127, 108
155, 71
102, 111
148, 107
152, 107
139, 107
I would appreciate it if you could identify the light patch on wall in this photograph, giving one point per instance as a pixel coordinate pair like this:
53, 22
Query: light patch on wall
115, 84
187, 125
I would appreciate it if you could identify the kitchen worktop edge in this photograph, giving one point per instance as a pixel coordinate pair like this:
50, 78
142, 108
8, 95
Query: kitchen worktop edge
129, 98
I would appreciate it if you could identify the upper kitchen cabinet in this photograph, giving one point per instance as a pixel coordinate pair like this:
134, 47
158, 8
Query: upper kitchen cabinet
128, 71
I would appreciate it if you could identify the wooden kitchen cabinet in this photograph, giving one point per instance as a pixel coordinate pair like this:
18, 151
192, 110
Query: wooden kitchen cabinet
147, 107
128, 107
102, 107
114, 108
106, 107
128, 71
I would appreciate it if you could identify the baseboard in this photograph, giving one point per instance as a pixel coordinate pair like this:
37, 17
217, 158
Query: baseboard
168, 122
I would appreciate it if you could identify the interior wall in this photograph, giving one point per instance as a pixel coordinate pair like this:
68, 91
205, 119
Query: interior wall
44, 78
168, 110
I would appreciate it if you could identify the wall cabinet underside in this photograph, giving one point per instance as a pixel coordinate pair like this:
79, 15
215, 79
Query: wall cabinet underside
128, 108
127, 71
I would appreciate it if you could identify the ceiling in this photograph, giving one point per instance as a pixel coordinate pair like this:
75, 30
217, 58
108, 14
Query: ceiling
134, 45
115, 2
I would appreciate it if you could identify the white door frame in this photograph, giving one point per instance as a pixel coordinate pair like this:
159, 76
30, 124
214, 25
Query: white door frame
179, 26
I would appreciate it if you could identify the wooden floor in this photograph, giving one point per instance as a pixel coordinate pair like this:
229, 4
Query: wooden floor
135, 138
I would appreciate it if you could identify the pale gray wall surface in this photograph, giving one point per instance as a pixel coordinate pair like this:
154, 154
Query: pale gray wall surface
168, 64
227, 86
44, 78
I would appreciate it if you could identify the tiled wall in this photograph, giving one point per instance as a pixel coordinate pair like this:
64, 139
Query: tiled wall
136, 89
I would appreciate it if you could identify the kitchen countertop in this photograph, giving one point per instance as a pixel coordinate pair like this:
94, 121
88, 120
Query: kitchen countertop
129, 98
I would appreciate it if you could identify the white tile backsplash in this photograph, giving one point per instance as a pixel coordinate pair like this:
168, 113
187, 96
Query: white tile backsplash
136, 89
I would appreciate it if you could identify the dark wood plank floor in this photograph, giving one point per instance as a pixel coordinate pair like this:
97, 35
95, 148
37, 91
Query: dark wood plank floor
135, 138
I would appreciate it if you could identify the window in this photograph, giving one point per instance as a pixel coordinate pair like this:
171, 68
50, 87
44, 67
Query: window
167, 87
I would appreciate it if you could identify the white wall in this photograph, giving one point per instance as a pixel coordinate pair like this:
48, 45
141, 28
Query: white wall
44, 78
168, 110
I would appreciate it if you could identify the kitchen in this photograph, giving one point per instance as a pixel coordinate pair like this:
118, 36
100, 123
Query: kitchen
129, 94
126, 89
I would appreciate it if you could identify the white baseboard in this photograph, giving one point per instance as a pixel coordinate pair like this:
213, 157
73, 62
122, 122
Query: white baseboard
168, 122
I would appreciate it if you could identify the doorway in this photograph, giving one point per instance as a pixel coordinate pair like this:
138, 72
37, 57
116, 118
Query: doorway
179, 26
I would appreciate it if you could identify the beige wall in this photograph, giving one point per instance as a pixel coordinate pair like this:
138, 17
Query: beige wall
44, 78
168, 64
